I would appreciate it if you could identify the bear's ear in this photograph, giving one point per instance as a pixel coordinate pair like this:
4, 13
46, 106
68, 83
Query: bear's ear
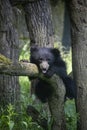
56, 52
34, 48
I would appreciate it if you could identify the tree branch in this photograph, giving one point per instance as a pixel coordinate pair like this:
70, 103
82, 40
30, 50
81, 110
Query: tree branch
8, 67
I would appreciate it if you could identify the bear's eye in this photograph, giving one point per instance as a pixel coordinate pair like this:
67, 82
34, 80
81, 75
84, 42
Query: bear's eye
40, 59
48, 59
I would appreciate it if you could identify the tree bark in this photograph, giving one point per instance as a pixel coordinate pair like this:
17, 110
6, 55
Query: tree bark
56, 103
19, 2
39, 23
9, 86
78, 14
7, 67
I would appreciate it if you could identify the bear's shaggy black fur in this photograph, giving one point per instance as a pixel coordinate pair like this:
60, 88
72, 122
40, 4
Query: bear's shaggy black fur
49, 62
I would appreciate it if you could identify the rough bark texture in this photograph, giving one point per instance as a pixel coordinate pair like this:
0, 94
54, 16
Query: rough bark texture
39, 22
56, 103
18, 2
9, 87
78, 13
8, 67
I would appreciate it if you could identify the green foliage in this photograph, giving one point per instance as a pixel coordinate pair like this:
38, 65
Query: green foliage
6, 118
11, 120
67, 57
25, 54
27, 99
71, 115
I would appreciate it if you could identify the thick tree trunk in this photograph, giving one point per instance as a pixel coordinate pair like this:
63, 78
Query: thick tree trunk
78, 13
9, 86
39, 22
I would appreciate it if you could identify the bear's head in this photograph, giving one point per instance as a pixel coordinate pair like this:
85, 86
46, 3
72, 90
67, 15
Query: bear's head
44, 57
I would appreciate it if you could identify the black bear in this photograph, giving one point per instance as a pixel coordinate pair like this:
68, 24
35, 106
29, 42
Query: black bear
49, 62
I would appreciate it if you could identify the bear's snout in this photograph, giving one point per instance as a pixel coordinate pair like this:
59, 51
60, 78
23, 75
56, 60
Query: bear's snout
44, 66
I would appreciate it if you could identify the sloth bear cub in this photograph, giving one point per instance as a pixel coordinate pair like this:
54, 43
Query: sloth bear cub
49, 62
